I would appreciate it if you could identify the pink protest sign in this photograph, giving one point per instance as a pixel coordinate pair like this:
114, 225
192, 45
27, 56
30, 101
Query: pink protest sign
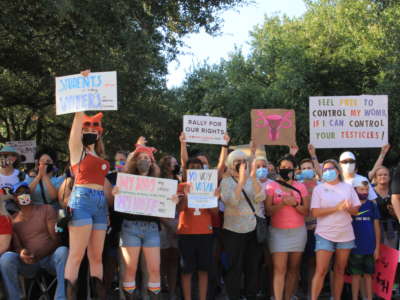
385, 272
142, 195
273, 127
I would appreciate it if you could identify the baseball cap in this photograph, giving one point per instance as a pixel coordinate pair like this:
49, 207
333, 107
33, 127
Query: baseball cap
359, 181
18, 185
347, 155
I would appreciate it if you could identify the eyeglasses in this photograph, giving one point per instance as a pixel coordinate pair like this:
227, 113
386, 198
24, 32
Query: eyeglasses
91, 124
327, 169
350, 161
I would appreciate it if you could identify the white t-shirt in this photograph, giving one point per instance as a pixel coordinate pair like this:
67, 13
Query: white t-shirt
334, 227
9, 181
371, 193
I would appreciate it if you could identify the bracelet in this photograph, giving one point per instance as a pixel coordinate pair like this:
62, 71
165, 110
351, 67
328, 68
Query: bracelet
297, 204
313, 157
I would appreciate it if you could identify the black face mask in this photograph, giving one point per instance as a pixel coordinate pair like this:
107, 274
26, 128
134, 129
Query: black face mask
238, 167
176, 170
286, 174
50, 168
89, 139
143, 165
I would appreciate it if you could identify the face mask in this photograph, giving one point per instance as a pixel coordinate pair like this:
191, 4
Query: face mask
24, 199
262, 173
89, 139
299, 177
286, 174
329, 175
205, 167
362, 196
119, 165
307, 174
50, 168
4, 162
237, 167
348, 168
176, 170
143, 166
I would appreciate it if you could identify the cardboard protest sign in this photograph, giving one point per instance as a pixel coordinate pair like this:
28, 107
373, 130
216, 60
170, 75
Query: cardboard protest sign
385, 272
203, 184
349, 121
26, 149
142, 195
273, 127
97, 91
204, 129
260, 150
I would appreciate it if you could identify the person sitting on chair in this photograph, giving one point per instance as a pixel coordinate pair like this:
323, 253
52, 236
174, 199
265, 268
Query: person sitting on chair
35, 242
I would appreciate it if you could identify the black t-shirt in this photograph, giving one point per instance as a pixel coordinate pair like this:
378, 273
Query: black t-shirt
395, 186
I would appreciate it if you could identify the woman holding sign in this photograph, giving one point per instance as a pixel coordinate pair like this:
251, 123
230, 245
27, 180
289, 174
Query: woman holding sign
141, 232
241, 195
88, 206
333, 203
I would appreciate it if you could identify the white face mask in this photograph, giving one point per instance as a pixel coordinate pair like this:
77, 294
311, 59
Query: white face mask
24, 199
205, 167
348, 168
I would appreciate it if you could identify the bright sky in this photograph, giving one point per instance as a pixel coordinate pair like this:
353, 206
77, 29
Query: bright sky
235, 32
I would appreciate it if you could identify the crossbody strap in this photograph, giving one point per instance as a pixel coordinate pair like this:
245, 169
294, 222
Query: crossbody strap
285, 184
247, 198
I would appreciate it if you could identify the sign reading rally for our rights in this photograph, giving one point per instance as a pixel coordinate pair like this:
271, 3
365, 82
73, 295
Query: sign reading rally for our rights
97, 91
204, 129
142, 195
273, 127
349, 121
202, 191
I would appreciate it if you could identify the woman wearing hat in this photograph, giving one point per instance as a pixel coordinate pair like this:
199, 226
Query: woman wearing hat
239, 231
87, 204
9, 174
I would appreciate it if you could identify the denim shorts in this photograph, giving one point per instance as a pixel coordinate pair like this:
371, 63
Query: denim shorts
324, 244
88, 206
139, 234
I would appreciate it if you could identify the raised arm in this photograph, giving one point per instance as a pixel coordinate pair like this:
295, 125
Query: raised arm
314, 158
75, 138
184, 152
222, 157
379, 161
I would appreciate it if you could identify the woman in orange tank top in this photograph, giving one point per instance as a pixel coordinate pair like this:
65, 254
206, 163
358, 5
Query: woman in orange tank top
88, 206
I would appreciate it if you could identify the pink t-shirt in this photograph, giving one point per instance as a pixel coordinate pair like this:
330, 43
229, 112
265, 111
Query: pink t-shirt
288, 216
335, 227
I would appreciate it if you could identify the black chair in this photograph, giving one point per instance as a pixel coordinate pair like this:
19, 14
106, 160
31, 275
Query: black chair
41, 287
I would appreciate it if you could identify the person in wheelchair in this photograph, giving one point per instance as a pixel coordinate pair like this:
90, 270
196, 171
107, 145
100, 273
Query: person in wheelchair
36, 245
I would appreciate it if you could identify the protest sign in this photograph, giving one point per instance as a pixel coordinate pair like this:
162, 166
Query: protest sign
97, 91
273, 127
349, 121
202, 192
385, 272
142, 195
26, 149
204, 129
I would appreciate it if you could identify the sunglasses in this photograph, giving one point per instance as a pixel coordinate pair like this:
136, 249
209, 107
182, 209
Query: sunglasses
350, 161
91, 124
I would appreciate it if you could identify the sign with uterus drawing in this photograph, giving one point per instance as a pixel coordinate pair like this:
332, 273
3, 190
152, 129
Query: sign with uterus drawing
273, 126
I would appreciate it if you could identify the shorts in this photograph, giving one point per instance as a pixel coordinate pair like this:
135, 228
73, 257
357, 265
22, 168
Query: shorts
88, 206
139, 234
287, 240
196, 252
360, 264
324, 244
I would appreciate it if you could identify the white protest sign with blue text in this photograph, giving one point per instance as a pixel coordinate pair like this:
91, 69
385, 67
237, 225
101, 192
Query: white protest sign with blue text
202, 188
349, 121
97, 91
204, 129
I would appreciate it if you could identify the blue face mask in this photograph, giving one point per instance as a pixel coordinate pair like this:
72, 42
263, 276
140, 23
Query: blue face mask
308, 174
329, 175
299, 176
262, 173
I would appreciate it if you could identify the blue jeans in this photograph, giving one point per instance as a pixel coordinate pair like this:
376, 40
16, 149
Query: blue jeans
11, 266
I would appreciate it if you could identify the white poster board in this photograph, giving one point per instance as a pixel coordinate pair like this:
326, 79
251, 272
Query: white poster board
203, 184
97, 91
25, 148
349, 121
204, 129
148, 196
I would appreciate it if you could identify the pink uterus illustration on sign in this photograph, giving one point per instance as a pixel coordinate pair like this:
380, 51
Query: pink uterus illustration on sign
274, 122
